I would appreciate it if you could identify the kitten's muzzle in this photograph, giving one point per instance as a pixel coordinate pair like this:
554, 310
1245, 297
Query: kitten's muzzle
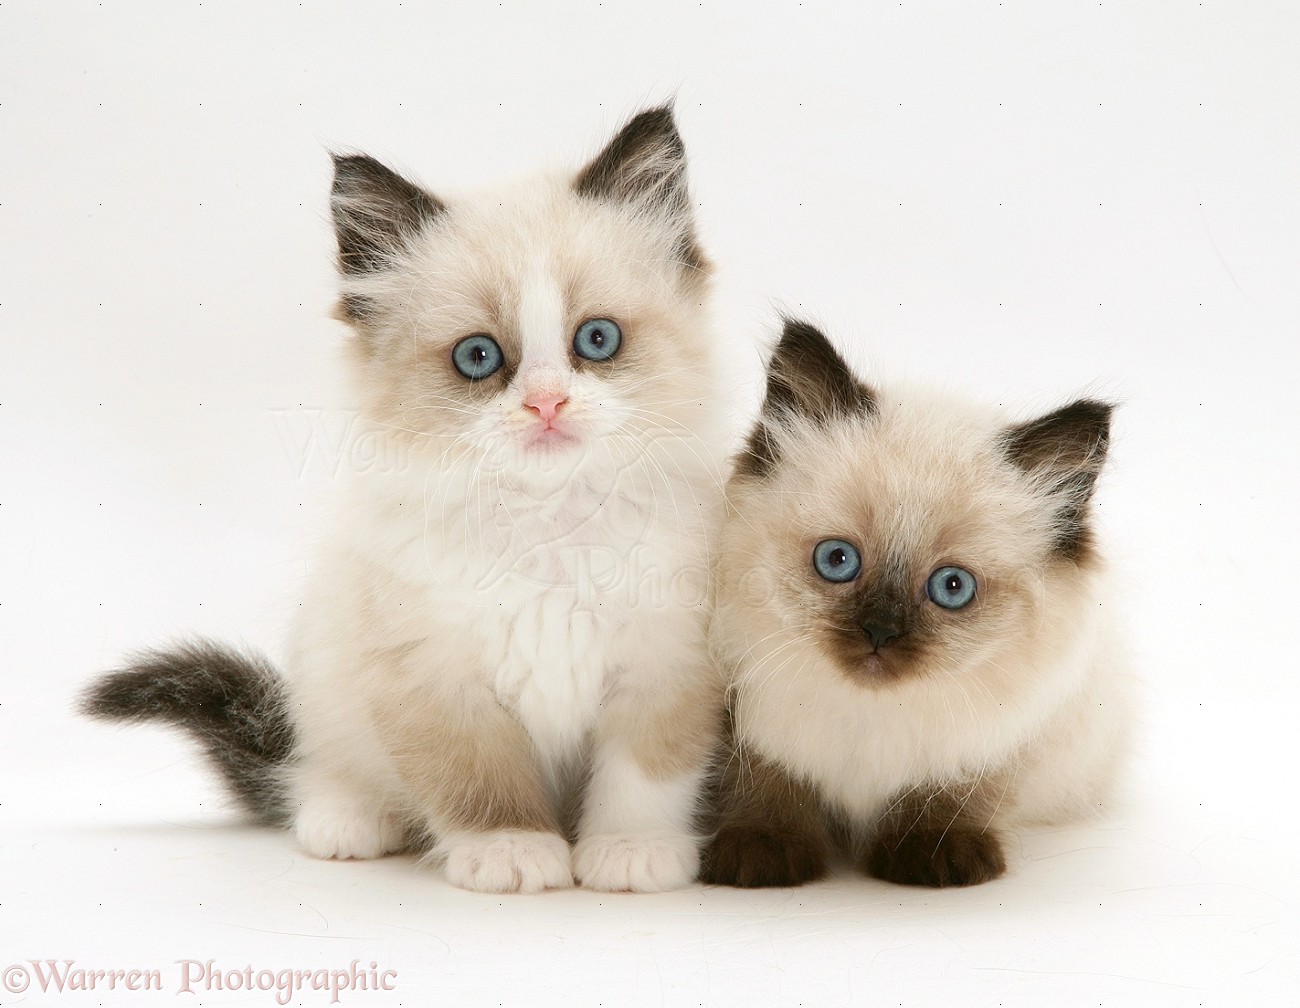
882, 621
881, 634
546, 407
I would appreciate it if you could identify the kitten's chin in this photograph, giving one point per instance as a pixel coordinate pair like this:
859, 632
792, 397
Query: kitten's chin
869, 667
550, 441
874, 670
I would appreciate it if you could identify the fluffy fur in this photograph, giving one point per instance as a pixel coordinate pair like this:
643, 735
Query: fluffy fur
233, 703
865, 709
502, 647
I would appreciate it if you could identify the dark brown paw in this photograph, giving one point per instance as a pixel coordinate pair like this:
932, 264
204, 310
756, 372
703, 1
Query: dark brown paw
755, 859
957, 857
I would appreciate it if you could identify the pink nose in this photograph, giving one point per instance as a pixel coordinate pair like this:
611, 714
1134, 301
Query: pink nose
546, 407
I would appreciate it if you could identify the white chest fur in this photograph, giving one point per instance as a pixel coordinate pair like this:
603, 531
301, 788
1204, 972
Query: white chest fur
534, 588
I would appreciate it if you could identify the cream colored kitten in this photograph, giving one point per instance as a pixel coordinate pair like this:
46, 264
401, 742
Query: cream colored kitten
917, 625
502, 647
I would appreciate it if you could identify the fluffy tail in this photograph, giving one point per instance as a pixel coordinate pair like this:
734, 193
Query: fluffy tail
233, 704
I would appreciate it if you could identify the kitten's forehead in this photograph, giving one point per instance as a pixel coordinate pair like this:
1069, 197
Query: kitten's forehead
541, 319
921, 478
542, 218
518, 255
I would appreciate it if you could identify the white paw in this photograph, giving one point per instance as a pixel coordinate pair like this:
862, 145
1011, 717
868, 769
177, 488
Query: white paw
339, 828
506, 861
627, 862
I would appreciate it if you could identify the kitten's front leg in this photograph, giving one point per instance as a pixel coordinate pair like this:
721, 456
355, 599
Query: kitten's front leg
339, 816
473, 770
637, 831
770, 830
940, 836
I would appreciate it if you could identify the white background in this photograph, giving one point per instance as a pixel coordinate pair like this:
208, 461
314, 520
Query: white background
1021, 200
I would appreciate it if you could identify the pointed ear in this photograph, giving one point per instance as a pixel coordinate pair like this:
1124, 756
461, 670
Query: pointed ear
645, 166
806, 378
1064, 452
375, 212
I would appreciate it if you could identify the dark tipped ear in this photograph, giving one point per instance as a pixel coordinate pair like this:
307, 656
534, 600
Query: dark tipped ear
1064, 451
645, 165
806, 377
375, 211
646, 161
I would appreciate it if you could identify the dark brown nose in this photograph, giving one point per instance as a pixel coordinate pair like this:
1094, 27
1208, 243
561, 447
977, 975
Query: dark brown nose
880, 634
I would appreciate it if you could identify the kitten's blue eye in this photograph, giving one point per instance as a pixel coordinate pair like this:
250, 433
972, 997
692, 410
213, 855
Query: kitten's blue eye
837, 560
951, 587
477, 356
597, 339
